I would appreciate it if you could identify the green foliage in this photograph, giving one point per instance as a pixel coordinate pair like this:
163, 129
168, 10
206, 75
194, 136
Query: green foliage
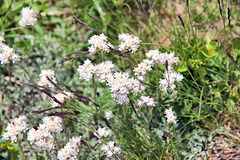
207, 96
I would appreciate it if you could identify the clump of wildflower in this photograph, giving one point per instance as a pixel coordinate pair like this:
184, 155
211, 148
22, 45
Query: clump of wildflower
28, 17
52, 124
108, 114
70, 151
86, 70
60, 97
41, 138
110, 149
169, 79
146, 100
43, 77
15, 128
104, 70
7, 54
102, 132
129, 42
98, 42
170, 117
121, 85
143, 68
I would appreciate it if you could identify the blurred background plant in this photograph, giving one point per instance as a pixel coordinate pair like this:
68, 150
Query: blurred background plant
207, 105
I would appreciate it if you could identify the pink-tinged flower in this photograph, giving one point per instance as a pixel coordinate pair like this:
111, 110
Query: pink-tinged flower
28, 17
170, 117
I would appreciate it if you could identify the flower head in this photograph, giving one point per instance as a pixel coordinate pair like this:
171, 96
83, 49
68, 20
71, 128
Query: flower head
108, 114
98, 42
86, 70
121, 85
161, 58
52, 124
169, 79
110, 149
6, 53
41, 138
143, 68
129, 42
15, 128
104, 70
149, 101
170, 117
102, 132
28, 17
61, 97
70, 151
43, 77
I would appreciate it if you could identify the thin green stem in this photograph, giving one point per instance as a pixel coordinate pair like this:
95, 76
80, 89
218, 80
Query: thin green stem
36, 155
94, 87
48, 155
20, 146
9, 74
150, 118
91, 151
175, 135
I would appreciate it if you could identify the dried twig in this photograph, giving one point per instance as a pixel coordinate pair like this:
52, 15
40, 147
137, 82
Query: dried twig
200, 24
86, 26
180, 18
133, 107
121, 54
94, 17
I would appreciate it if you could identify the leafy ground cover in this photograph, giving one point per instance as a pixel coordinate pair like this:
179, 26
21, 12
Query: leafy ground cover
126, 115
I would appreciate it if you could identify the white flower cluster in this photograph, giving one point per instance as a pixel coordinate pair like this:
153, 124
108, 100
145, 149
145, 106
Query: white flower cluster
70, 151
15, 128
102, 132
146, 100
86, 70
121, 85
129, 42
143, 68
7, 54
28, 17
52, 124
161, 58
169, 79
110, 149
104, 70
170, 117
98, 42
108, 114
43, 77
61, 97
42, 137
